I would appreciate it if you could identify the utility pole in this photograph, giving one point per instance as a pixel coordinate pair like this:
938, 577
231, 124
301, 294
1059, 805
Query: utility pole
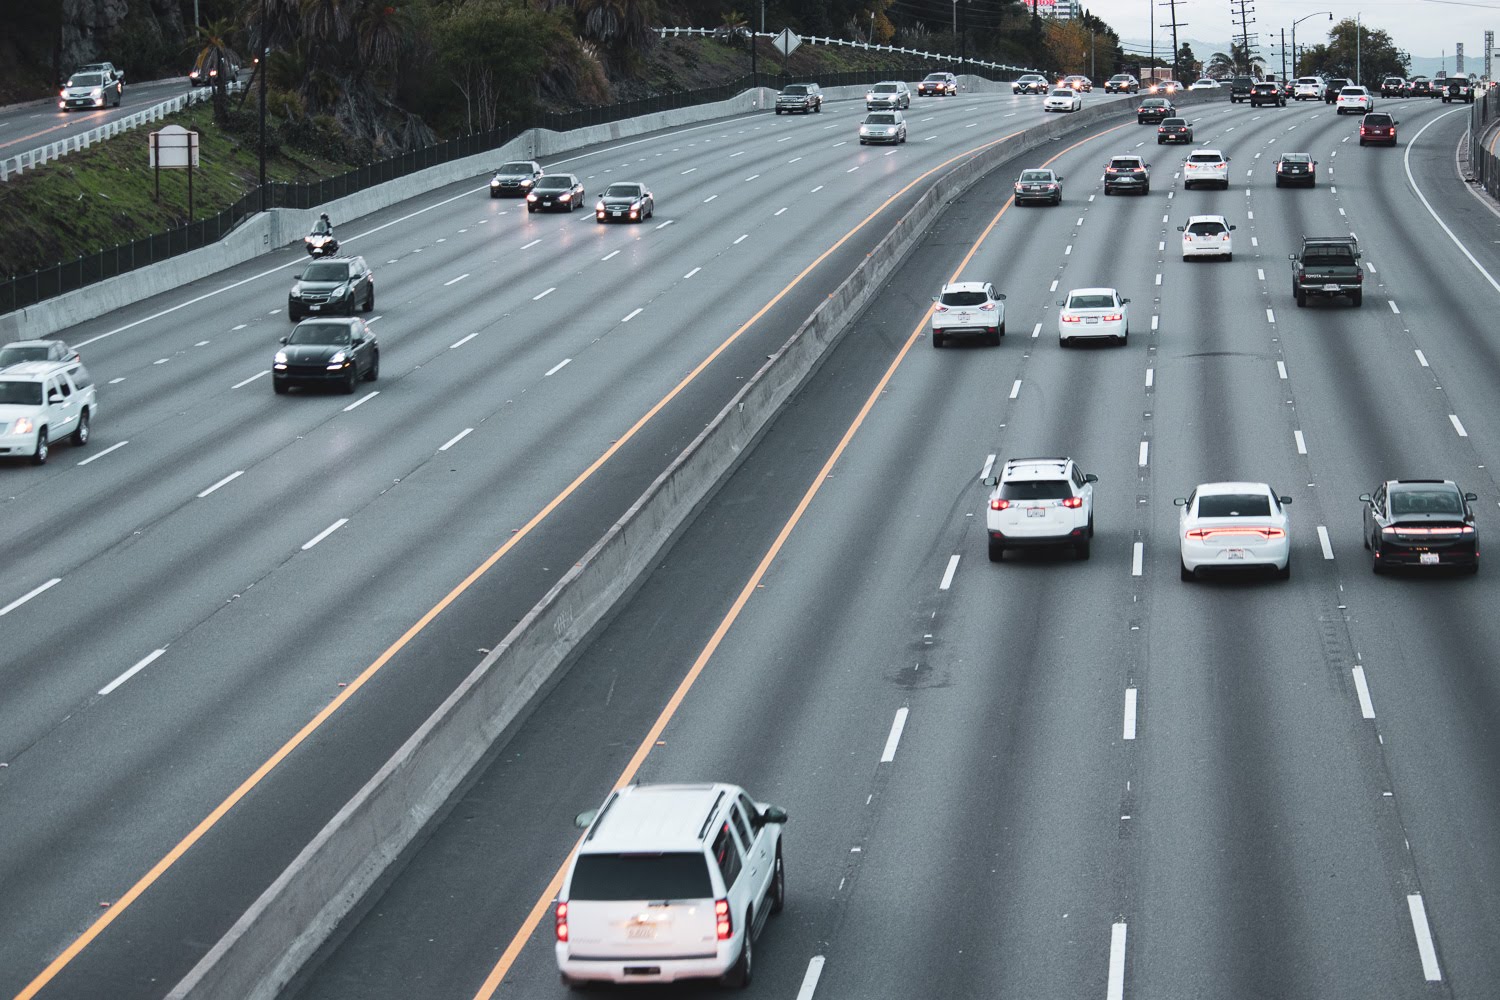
1357, 33
1489, 47
1284, 77
1175, 24
1245, 10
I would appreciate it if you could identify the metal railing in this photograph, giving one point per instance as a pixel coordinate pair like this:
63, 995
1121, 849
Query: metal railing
1484, 121
867, 46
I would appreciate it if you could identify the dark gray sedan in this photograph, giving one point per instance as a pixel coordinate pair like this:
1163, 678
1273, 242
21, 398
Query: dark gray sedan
625, 201
557, 192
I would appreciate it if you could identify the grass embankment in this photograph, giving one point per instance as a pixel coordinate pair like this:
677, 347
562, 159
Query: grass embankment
103, 196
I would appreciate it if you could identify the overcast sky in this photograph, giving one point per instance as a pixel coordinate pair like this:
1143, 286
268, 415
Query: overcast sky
1421, 27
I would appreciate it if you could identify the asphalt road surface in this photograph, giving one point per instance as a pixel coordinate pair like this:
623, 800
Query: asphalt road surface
1109, 783
230, 608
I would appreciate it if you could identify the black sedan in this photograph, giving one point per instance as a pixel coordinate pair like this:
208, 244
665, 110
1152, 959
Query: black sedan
1420, 522
328, 351
1154, 109
1174, 130
1296, 168
559, 192
625, 201
1420, 87
514, 179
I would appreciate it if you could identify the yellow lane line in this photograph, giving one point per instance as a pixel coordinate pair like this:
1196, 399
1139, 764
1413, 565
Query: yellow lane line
544, 903
157, 870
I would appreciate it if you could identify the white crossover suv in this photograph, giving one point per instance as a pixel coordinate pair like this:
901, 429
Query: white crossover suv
1234, 526
968, 307
1207, 236
42, 402
1205, 166
1040, 501
670, 882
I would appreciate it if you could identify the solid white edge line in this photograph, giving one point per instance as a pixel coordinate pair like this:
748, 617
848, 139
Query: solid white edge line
361, 401
335, 526
1406, 163
989, 465
456, 438
144, 662
1137, 558
948, 573
810, 980
1015, 389
897, 725
100, 454
558, 367
1324, 542
462, 341
1145, 452
1430, 970
1301, 442
1130, 702
1458, 425
252, 378
223, 482
1362, 691
1116, 986
13, 605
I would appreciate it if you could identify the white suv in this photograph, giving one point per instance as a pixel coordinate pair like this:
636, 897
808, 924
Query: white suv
1040, 501
1308, 88
42, 402
1207, 236
671, 882
968, 307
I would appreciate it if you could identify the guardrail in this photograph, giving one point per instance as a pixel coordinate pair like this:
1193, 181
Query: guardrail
1484, 120
33, 158
868, 46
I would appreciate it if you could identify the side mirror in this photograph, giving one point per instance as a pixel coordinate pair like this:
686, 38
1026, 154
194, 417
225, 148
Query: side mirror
992, 481
1285, 500
284, 339
54, 397
771, 814
1233, 228
585, 818
1182, 229
1366, 498
1179, 502
1124, 301
1471, 496
1090, 478
1000, 297
1291, 256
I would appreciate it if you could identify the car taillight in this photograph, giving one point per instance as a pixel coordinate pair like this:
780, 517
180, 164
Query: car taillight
1051, 187
1070, 319
987, 307
1203, 534
1278, 168
999, 504
562, 920
1113, 317
940, 308
1073, 502
723, 922
1224, 237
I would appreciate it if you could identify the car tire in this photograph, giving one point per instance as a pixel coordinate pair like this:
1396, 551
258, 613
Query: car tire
1091, 524
997, 551
778, 112
374, 372
279, 387
778, 884
1057, 200
43, 449
862, 142
1065, 341
1229, 256
531, 209
938, 340
1081, 549
740, 974
1278, 182
1301, 298
1146, 189
1001, 331
351, 381
1361, 142
1160, 141
819, 109
1107, 191
370, 302
80, 436
1187, 575
992, 339
293, 314
1356, 299
1285, 572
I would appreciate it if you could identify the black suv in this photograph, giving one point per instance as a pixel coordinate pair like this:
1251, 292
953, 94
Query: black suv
329, 351
1267, 93
806, 98
332, 285
1420, 86
1331, 93
1240, 89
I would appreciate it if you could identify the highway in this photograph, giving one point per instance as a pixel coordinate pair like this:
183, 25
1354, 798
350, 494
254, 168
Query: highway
35, 124
1048, 777
230, 608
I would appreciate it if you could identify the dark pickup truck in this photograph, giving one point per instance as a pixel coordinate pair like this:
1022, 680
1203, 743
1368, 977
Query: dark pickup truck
1327, 266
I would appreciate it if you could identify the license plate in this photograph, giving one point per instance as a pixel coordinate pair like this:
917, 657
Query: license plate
1234, 553
1091, 320
1036, 512
963, 317
1330, 288
617, 214
315, 308
1429, 558
641, 932
546, 204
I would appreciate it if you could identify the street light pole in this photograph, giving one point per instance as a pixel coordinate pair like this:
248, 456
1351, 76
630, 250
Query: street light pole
1294, 34
1357, 33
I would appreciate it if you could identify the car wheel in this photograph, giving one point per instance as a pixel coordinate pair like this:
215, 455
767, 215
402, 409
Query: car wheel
39, 456
1057, 200
1229, 256
1107, 191
938, 340
1361, 142
1001, 331
293, 314
1081, 549
531, 208
819, 109
739, 975
992, 339
494, 193
778, 884
778, 112
1278, 182
1146, 189
1301, 298
1356, 299
280, 388
1091, 524
81, 432
1186, 574
374, 372
1065, 341
1160, 141
351, 381
1285, 572
997, 551
862, 142
370, 302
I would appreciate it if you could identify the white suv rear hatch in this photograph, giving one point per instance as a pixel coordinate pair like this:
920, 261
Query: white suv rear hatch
617, 909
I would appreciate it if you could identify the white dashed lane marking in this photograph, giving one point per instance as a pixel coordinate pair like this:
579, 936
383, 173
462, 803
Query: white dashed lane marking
1115, 987
315, 539
558, 367
1301, 442
142, 664
462, 341
1137, 558
1145, 453
1130, 704
1422, 359
223, 482
1362, 691
456, 280
1015, 389
1458, 425
1281, 369
13, 605
948, 573
894, 739
361, 401
1324, 543
456, 438
989, 465
542, 295
96, 456
810, 980
1430, 970
245, 382
631, 315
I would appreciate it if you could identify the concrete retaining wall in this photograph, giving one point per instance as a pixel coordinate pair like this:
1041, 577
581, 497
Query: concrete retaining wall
302, 908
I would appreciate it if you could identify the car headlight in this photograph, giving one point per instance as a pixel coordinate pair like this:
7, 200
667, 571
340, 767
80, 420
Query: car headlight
281, 358
97, 92
531, 196
338, 358
565, 196
494, 182
599, 207
24, 426
296, 288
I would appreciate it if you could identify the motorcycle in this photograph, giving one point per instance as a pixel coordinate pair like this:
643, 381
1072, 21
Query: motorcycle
321, 244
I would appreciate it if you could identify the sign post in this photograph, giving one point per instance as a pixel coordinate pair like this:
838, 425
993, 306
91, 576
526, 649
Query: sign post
174, 148
786, 43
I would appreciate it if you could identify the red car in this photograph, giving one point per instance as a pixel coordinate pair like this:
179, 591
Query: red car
1377, 126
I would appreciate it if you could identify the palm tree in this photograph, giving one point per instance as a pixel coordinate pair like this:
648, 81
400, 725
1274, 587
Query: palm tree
216, 58
381, 32
1220, 64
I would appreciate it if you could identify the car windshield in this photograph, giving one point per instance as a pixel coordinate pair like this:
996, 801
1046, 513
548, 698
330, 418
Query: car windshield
623, 191
555, 182
886, 119
1206, 228
1206, 82
965, 298
1425, 502
1060, 92
21, 393
1036, 175
1092, 301
333, 334
618, 877
1235, 505
1296, 158
13, 355
519, 167
85, 80
939, 77
795, 90
325, 271
1036, 489
1119, 78
885, 88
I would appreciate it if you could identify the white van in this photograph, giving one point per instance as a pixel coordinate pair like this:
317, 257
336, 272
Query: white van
671, 882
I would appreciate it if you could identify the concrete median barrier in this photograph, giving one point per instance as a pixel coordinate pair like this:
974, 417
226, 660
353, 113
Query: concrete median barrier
285, 927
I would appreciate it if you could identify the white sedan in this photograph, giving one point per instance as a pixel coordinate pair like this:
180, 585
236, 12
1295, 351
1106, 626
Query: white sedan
1207, 236
1205, 166
1063, 99
1353, 100
1204, 84
1234, 526
1090, 313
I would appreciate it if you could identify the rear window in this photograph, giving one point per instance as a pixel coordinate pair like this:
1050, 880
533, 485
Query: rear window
1328, 255
1173, 122
1034, 176
1381, 119
1235, 505
615, 877
1206, 228
964, 298
1205, 158
1091, 301
1037, 489
21, 393
1352, 92
1126, 163
1426, 502
13, 355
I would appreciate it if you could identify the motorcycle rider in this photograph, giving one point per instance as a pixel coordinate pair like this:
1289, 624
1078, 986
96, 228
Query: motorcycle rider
322, 227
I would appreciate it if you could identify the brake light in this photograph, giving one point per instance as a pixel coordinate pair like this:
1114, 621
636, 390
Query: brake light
987, 307
1203, 534
940, 308
1070, 319
1225, 237
1113, 317
1073, 502
562, 920
723, 922
998, 504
